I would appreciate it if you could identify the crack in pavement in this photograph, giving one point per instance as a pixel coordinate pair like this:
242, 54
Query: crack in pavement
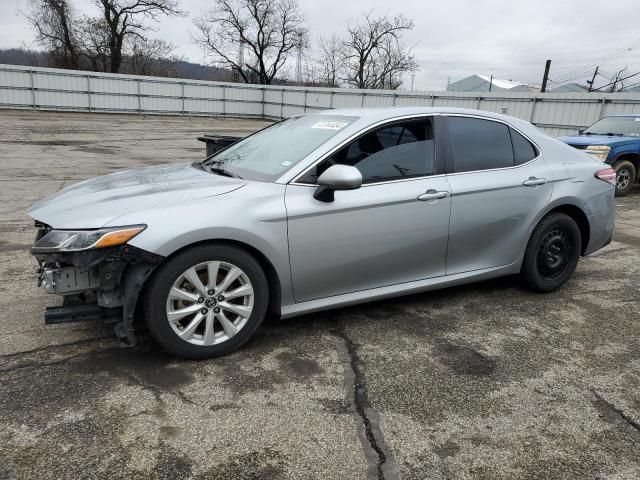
132, 377
382, 466
57, 346
624, 416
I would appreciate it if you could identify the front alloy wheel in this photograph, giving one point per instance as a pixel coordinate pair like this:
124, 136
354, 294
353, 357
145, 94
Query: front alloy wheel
206, 301
210, 303
625, 177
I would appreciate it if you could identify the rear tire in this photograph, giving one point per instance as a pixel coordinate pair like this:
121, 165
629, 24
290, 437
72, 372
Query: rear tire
222, 314
625, 177
552, 253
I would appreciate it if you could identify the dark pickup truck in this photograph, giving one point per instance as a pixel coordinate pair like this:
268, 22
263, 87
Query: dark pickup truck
614, 140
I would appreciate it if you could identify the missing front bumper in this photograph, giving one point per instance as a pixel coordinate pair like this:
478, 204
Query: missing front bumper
81, 313
101, 284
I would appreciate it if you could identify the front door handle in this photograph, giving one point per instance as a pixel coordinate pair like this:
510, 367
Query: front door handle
432, 195
534, 182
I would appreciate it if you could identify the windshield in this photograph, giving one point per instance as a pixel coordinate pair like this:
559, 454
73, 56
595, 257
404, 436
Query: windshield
628, 126
269, 153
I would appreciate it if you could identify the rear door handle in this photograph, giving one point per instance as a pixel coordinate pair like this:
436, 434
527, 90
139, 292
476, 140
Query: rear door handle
534, 182
432, 195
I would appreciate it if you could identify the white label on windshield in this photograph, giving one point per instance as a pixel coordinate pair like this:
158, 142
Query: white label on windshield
636, 119
286, 163
330, 125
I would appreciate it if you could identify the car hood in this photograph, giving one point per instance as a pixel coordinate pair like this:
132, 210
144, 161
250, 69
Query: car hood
586, 140
98, 201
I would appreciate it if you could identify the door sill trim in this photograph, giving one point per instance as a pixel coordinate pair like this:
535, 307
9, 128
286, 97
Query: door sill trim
396, 290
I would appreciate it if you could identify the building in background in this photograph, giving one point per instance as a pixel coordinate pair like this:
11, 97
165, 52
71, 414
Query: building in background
569, 88
483, 83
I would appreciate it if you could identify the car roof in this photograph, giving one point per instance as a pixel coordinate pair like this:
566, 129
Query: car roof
367, 116
378, 114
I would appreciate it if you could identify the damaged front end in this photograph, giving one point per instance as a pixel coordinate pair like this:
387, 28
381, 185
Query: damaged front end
98, 274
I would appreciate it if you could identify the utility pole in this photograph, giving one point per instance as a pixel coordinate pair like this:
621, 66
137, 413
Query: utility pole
619, 78
545, 77
490, 81
593, 79
615, 82
299, 66
236, 72
413, 77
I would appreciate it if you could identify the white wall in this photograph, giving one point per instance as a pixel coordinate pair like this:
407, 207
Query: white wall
54, 89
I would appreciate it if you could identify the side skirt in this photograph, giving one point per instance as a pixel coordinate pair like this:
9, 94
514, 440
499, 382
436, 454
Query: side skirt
397, 290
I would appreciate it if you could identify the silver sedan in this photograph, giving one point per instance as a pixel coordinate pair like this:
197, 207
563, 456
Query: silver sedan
320, 211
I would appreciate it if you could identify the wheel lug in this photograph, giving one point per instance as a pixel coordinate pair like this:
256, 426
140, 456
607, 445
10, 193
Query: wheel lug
210, 292
220, 298
200, 300
204, 311
216, 310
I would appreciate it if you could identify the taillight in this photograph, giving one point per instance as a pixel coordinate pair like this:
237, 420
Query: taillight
607, 175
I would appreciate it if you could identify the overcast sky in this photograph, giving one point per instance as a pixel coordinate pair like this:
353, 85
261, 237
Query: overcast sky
510, 39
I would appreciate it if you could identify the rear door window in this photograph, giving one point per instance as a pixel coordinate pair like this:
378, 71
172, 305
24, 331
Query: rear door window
480, 144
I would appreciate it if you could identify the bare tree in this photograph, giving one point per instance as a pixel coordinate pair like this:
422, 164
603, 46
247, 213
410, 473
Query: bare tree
93, 35
126, 18
374, 55
332, 57
54, 24
268, 31
151, 57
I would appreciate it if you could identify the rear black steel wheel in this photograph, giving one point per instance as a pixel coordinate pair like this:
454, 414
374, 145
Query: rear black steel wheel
552, 253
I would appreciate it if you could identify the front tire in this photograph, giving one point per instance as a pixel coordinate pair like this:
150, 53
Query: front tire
552, 253
625, 177
206, 301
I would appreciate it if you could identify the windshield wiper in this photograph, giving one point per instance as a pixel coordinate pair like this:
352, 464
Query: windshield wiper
610, 134
221, 171
213, 166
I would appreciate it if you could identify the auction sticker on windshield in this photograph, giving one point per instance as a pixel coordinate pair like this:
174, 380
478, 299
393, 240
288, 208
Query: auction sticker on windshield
330, 125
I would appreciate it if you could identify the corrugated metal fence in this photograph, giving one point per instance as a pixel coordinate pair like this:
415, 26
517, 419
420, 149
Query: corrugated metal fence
54, 89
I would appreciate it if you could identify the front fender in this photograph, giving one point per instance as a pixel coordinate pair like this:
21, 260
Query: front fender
623, 150
254, 216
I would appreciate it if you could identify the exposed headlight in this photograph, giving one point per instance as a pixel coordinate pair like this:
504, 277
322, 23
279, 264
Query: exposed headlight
601, 152
78, 240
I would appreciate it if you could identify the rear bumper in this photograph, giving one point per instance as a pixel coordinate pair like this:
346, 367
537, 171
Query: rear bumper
602, 226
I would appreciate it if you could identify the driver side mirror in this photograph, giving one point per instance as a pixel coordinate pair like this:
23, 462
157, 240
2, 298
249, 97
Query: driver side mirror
581, 131
337, 177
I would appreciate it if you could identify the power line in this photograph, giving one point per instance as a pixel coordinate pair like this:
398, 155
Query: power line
616, 80
630, 86
617, 53
614, 55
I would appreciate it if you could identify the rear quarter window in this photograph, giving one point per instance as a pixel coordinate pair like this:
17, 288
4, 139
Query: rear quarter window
523, 149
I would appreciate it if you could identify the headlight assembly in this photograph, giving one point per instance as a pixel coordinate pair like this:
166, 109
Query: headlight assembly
601, 152
78, 240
